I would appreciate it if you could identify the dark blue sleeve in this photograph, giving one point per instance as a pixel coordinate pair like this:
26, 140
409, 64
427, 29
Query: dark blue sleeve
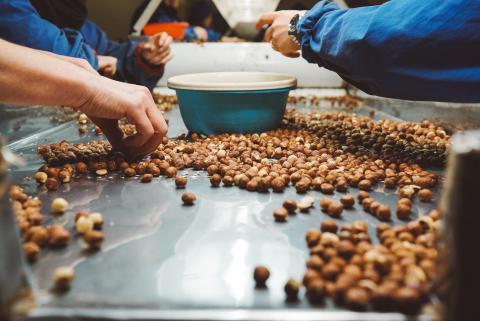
21, 24
128, 67
213, 36
190, 34
408, 49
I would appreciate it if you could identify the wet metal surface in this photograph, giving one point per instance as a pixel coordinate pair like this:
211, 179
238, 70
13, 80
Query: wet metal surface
162, 260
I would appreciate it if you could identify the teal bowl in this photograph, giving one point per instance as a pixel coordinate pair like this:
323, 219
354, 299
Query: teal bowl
238, 102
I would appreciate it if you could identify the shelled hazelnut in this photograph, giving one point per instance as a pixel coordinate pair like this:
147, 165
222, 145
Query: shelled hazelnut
215, 180
383, 213
59, 205
171, 172
357, 299
362, 195
93, 239
129, 172
403, 212
316, 291
261, 275
62, 278
146, 178
290, 206
41, 177
38, 235
365, 185
31, 250
325, 203
335, 210
51, 184
97, 219
327, 188
227, 181
425, 195
347, 201
180, 181
84, 224
292, 287
280, 214
313, 237
188, 198
329, 226
58, 236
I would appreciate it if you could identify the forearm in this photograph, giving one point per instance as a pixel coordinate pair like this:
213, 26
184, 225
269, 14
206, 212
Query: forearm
31, 77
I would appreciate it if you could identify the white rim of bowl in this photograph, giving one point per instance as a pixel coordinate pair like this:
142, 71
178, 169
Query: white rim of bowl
219, 81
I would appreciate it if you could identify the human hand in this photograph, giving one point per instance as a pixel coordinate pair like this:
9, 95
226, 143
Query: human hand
107, 66
157, 51
201, 33
232, 39
277, 33
109, 101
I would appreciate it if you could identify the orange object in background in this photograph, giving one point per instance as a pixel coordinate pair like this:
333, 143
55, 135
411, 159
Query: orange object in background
175, 29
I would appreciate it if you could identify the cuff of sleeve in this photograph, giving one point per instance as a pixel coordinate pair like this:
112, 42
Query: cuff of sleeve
149, 69
307, 25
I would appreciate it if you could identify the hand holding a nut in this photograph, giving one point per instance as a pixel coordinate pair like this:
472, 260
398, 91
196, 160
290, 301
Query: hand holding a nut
109, 101
157, 51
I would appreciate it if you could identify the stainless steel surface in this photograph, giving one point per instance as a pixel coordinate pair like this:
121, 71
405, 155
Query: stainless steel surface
162, 260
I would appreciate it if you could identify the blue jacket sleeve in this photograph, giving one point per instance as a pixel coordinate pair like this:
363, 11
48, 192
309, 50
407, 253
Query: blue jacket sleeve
408, 49
130, 67
21, 24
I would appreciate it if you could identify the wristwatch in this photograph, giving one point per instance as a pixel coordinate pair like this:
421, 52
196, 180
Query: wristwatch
293, 31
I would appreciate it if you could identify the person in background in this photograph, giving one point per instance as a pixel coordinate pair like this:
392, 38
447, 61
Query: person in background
168, 12
201, 15
33, 77
401, 49
21, 23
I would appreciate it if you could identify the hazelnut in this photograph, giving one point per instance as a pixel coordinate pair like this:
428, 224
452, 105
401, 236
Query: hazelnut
292, 287
38, 235
425, 195
41, 177
315, 262
97, 219
81, 168
59, 236
405, 201
327, 188
290, 206
261, 275
383, 213
51, 184
94, 239
329, 226
365, 185
280, 214
305, 204
312, 237
227, 181
84, 224
181, 181
101, 172
309, 276
302, 186
403, 212
62, 278
215, 180
330, 271
171, 172
188, 198
374, 207
347, 201
325, 203
357, 299
59, 205
362, 195
80, 214
346, 249
31, 250
407, 300
252, 185
335, 210
316, 291
146, 178
129, 172
366, 203
278, 185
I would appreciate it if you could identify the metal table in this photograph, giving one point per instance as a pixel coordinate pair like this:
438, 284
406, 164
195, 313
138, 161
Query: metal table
164, 261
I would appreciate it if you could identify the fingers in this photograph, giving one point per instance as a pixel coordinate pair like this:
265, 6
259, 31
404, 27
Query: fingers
268, 35
266, 19
161, 58
111, 130
158, 122
144, 127
167, 59
292, 54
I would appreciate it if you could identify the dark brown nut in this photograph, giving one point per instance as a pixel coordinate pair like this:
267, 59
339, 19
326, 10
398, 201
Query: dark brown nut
316, 291
315, 262
58, 236
365, 185
64, 176
261, 275
357, 299
146, 178
366, 203
227, 181
212, 170
425, 195
31, 251
82, 130
171, 172
374, 207
41, 177
329, 226
406, 192
403, 212
278, 185
390, 182
93, 239
292, 287
330, 271
327, 188
62, 278
312, 237
382, 297
51, 184
243, 181
348, 201
302, 186
252, 185
405, 201
180, 181
97, 219
188, 198
280, 214
317, 183
129, 172
52, 172
325, 203
335, 210
309, 276
362, 195
290, 206
38, 235
383, 213
382, 227
215, 180
81, 214
407, 300
360, 227
346, 249
81, 168
342, 186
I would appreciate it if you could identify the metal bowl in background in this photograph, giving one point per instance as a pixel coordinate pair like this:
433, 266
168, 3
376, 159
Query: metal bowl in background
232, 102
